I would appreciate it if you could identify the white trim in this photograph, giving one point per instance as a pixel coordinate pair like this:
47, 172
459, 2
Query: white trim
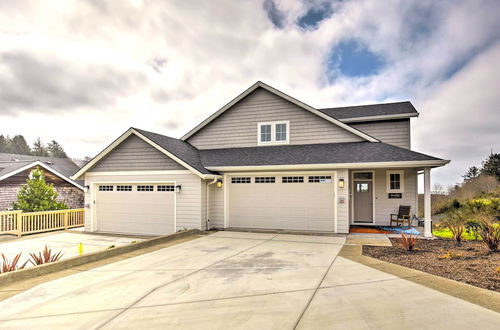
401, 183
273, 133
48, 168
173, 172
93, 204
378, 118
404, 164
286, 97
226, 200
125, 135
351, 218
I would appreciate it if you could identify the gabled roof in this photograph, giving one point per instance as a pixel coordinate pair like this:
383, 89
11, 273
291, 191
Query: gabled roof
286, 97
337, 154
371, 112
11, 164
180, 151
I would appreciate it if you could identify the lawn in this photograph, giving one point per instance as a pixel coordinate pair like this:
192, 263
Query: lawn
446, 233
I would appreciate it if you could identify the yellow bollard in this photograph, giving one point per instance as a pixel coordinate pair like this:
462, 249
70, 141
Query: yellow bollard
80, 249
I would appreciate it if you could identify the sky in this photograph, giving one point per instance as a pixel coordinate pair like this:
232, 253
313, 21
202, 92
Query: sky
83, 72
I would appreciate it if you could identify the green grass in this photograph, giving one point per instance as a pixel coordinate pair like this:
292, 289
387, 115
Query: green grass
446, 233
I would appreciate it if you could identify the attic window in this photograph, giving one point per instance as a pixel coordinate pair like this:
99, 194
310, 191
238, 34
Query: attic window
276, 132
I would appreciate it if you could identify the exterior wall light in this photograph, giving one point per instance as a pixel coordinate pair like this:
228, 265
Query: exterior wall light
86, 189
178, 188
219, 183
341, 183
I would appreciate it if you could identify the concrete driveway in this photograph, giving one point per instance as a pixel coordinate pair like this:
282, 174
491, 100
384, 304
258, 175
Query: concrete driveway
240, 280
67, 242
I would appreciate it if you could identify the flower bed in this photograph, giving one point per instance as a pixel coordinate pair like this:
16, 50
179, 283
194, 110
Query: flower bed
470, 263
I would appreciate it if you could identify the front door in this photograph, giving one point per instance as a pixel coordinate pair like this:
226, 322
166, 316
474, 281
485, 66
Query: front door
363, 201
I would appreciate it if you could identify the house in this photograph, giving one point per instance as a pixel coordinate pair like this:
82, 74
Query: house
263, 161
15, 170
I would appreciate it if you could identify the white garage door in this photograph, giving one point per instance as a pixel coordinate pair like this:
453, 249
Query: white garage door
297, 202
140, 209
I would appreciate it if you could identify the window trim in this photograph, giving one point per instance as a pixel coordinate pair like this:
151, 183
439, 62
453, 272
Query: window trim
401, 181
273, 133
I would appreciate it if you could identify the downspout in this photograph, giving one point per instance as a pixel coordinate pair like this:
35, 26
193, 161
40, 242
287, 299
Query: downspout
208, 203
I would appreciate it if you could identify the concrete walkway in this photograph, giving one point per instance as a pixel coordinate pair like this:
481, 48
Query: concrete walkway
66, 242
240, 280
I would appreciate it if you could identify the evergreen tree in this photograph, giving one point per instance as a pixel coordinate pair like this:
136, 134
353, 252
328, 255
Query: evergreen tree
472, 173
19, 145
3, 143
38, 195
491, 166
39, 148
55, 150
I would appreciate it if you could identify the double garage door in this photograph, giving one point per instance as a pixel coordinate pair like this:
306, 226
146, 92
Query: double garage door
140, 209
296, 202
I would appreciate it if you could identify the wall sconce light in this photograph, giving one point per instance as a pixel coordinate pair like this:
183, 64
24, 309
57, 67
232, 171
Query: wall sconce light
341, 183
178, 188
219, 183
86, 189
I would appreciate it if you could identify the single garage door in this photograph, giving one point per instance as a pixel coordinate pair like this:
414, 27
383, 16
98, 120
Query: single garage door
140, 209
296, 202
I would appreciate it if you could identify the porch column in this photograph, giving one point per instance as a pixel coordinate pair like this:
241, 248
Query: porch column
427, 202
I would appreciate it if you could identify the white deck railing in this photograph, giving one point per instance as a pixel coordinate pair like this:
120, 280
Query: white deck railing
20, 223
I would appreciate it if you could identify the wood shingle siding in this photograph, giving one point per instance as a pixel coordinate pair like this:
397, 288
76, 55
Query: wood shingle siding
237, 127
395, 132
134, 154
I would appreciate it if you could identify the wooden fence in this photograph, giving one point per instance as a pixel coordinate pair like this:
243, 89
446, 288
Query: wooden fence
20, 223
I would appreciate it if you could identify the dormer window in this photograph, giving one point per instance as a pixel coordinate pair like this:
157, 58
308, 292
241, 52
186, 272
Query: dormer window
273, 133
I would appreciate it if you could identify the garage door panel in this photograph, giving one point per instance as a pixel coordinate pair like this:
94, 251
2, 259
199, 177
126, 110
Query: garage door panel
299, 206
136, 212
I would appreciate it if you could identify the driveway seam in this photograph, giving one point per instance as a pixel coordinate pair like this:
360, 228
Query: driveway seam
314, 293
177, 279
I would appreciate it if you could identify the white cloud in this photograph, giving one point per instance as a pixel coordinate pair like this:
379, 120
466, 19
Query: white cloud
210, 51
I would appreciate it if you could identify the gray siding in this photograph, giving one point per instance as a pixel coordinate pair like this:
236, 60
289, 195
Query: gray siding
395, 132
134, 154
188, 201
237, 127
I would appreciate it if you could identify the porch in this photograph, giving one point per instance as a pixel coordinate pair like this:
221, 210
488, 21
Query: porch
376, 197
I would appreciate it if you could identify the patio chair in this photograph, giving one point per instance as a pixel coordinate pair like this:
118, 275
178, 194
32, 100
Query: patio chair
402, 216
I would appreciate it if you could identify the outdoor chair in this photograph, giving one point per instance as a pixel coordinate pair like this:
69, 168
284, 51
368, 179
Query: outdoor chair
402, 216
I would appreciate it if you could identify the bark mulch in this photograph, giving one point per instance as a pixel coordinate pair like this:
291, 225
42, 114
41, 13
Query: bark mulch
470, 263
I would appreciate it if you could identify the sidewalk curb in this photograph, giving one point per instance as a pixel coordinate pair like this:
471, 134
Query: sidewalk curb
479, 296
23, 274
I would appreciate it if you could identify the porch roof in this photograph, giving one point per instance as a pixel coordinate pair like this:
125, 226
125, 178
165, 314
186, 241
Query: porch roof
329, 153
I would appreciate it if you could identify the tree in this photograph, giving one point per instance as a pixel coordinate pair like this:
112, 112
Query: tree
19, 145
55, 150
38, 195
39, 148
472, 173
3, 143
491, 166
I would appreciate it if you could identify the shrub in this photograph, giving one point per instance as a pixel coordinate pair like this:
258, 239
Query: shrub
485, 211
408, 241
11, 265
473, 228
46, 257
455, 220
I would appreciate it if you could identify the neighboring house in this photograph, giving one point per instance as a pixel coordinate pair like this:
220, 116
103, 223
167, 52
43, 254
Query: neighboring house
15, 170
265, 161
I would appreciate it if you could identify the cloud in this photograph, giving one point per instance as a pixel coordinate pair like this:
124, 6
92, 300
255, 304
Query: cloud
54, 84
102, 67
274, 14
